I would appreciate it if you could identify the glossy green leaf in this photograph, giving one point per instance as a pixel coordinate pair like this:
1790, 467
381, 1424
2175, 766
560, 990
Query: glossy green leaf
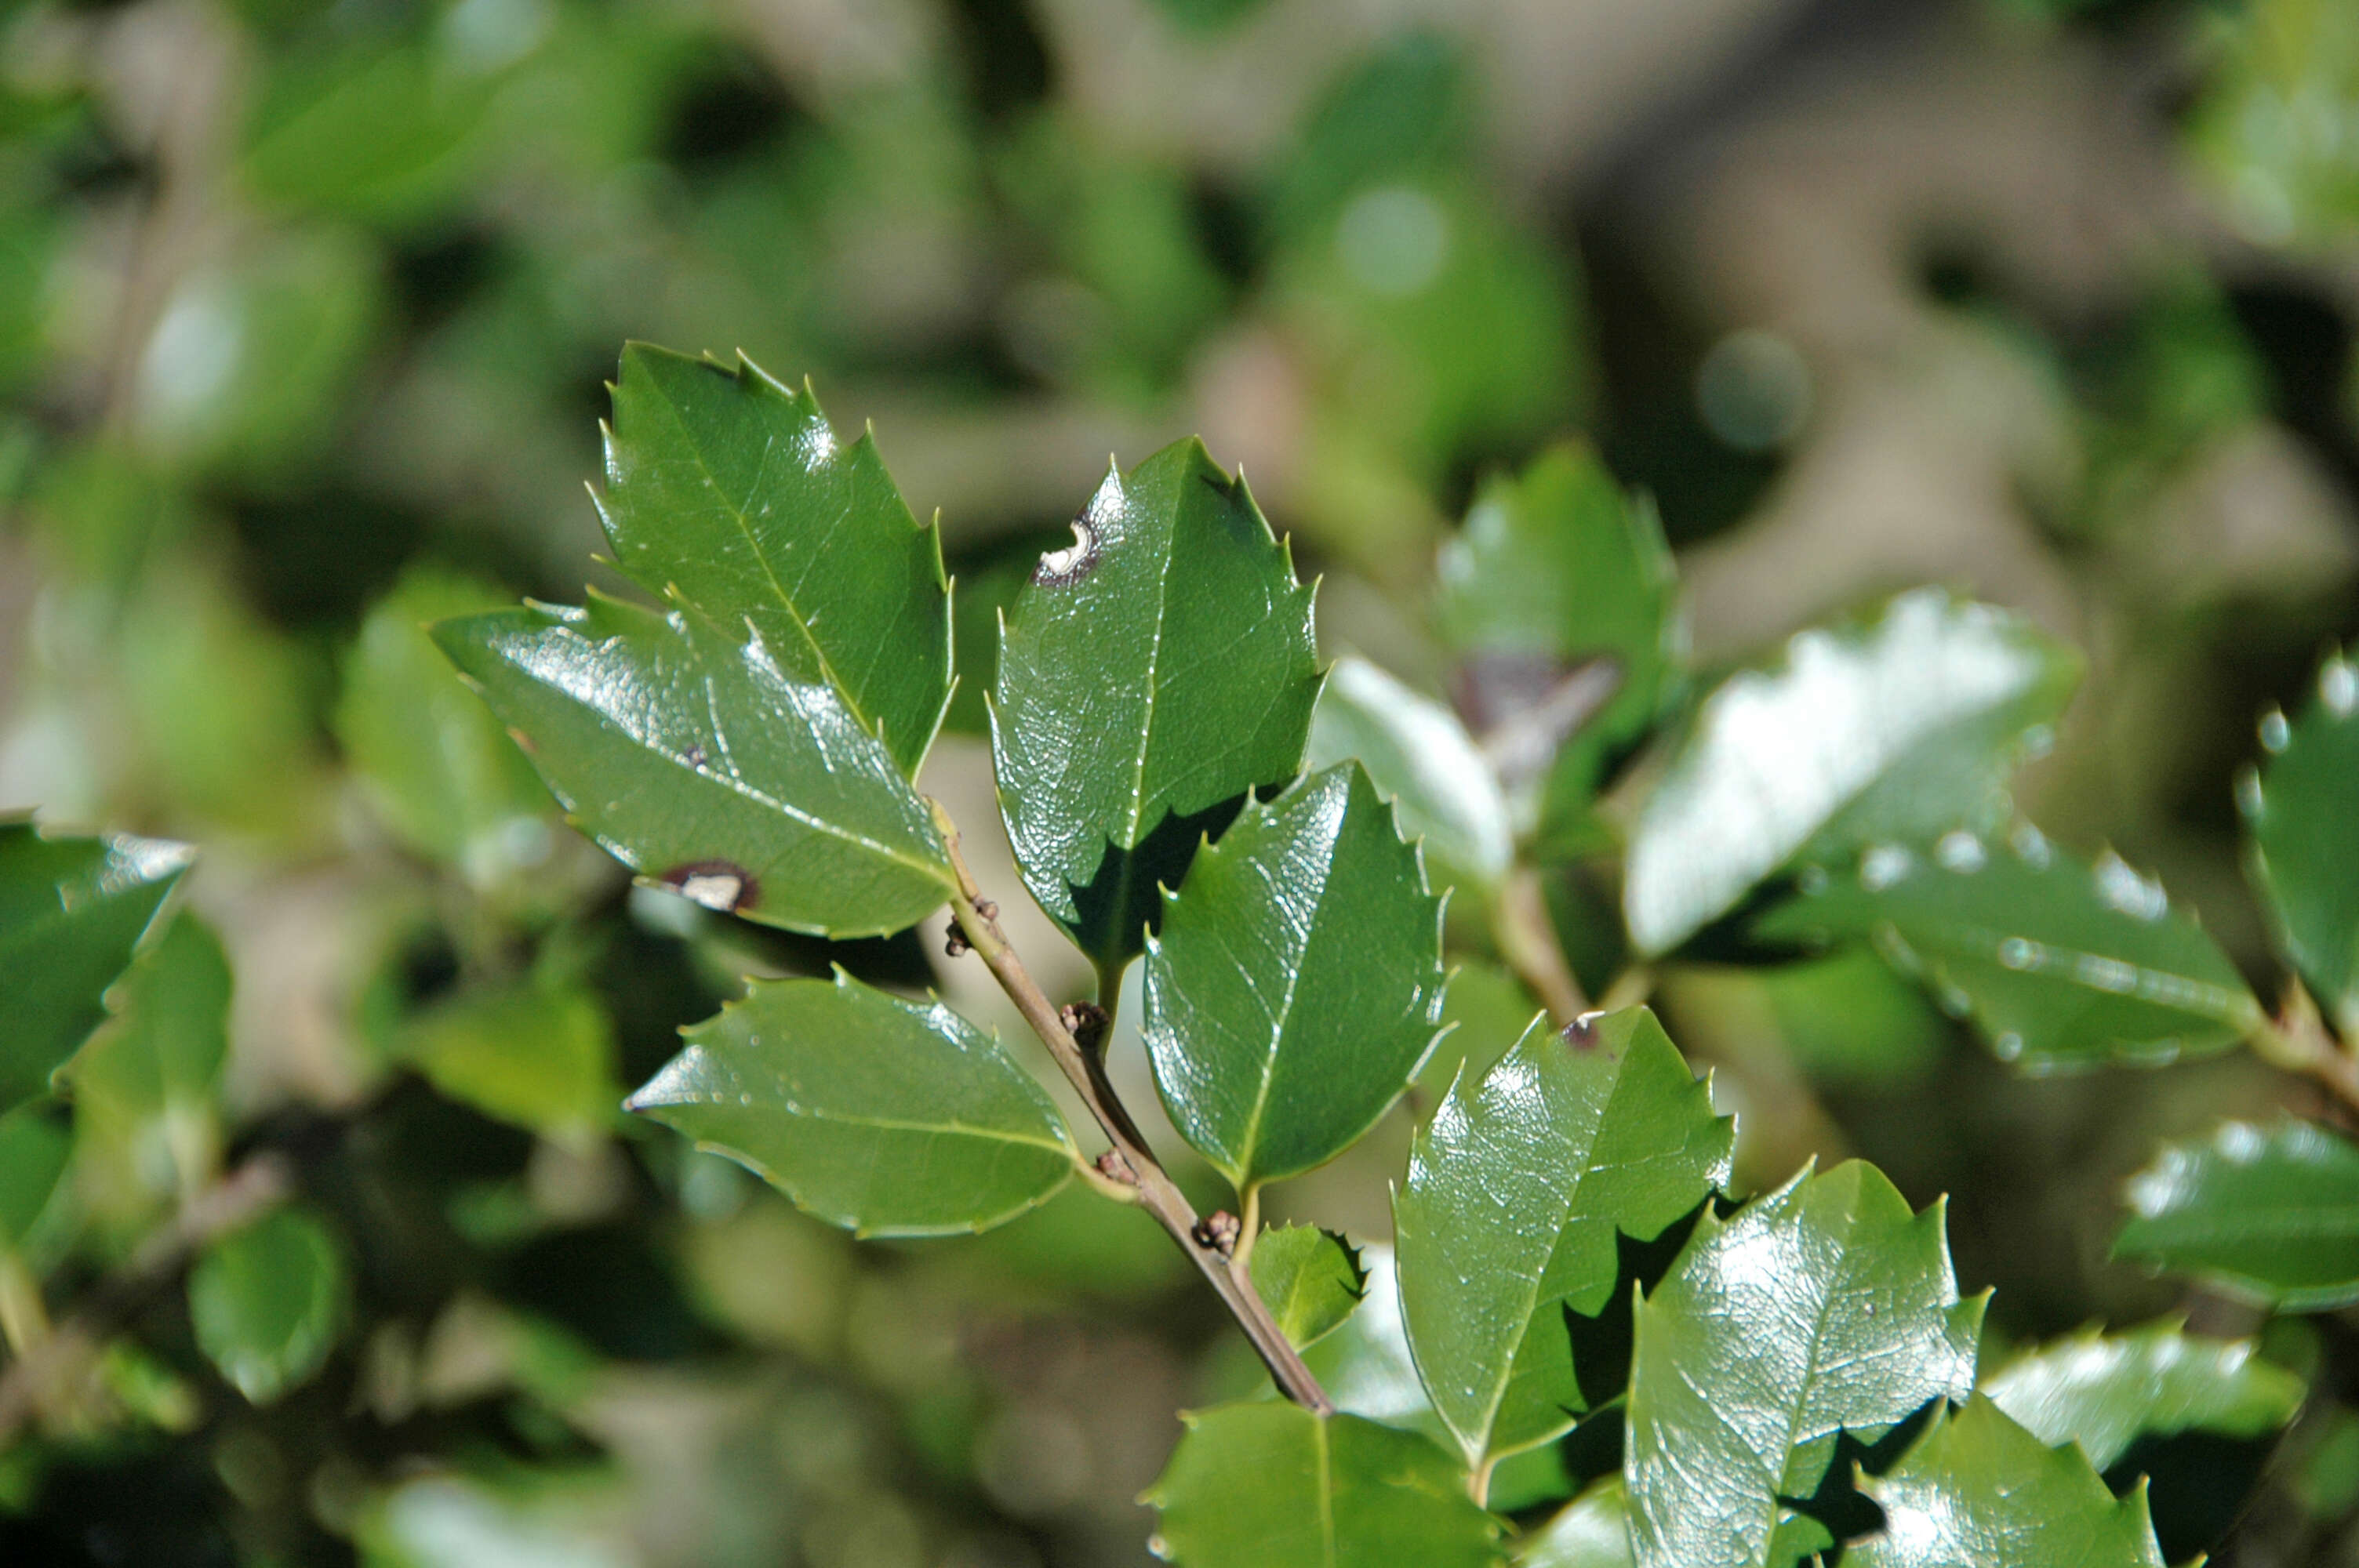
883, 1116
729, 490
1591, 1532
1516, 1192
1309, 1278
1268, 1484
2105, 1390
2269, 1212
539, 1054
1150, 675
1978, 1489
2059, 964
1297, 983
2302, 810
34, 1149
697, 761
437, 766
1555, 566
1822, 1308
71, 911
1417, 752
267, 1301
1366, 1366
1895, 731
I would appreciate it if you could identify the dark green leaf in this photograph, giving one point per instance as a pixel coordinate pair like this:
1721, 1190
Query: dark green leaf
1419, 753
1268, 1484
2270, 1212
2303, 813
1822, 1308
71, 911
438, 767
1980, 1489
1554, 568
1591, 1531
727, 488
1150, 675
2059, 965
1890, 732
2107, 1390
539, 1054
880, 1115
1516, 1192
34, 1149
1310, 1279
1297, 982
700, 764
267, 1301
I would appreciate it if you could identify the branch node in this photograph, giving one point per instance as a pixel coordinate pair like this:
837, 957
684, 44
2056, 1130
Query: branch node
955, 944
1218, 1232
1114, 1168
1087, 1023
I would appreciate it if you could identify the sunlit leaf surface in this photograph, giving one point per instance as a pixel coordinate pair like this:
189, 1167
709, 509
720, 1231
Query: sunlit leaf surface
1419, 753
1591, 1532
2270, 1212
2105, 1390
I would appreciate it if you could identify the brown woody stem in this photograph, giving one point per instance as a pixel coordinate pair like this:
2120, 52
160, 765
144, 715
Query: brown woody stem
1084, 1068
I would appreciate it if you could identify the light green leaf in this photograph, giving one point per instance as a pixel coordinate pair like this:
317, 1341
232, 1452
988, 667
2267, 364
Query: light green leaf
1978, 1489
2107, 1390
1516, 1192
883, 1116
2302, 810
1890, 732
539, 1054
2268, 1212
1555, 566
34, 1149
1297, 983
267, 1301
2270, 127
1309, 1278
1269, 1485
697, 761
1150, 675
1417, 752
1591, 1532
71, 911
2058, 964
1366, 1366
1822, 1308
164, 1050
729, 490
437, 766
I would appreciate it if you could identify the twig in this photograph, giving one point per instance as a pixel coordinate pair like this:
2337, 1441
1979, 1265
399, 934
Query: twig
1209, 1244
1527, 940
2298, 1040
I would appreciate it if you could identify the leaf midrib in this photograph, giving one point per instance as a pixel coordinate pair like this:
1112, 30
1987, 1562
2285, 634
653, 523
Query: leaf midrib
793, 1107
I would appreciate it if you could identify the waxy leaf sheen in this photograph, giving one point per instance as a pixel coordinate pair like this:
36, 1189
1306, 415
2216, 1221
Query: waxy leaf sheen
1150, 675
1269, 1485
2105, 1390
699, 763
1419, 753
886, 1116
1822, 1308
2058, 964
2268, 1212
1591, 1532
1892, 733
1297, 983
2302, 809
1516, 1189
1979, 1490
1308, 1278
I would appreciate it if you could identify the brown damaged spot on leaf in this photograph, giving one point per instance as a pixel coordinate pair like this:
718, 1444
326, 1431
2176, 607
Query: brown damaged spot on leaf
1062, 569
720, 885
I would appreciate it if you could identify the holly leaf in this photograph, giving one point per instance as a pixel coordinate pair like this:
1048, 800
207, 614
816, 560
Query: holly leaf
539, 1054
1269, 1485
1890, 732
2058, 964
267, 1301
888, 1118
34, 1151
1150, 675
1308, 1278
2271, 1213
2302, 811
1979, 1488
1297, 983
1516, 1190
699, 763
1591, 1532
1419, 753
1822, 1308
71, 913
162, 1054
730, 489
2105, 1390
1366, 1366
1554, 568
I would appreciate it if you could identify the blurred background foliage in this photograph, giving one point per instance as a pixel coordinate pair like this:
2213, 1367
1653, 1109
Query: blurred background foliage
305, 313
